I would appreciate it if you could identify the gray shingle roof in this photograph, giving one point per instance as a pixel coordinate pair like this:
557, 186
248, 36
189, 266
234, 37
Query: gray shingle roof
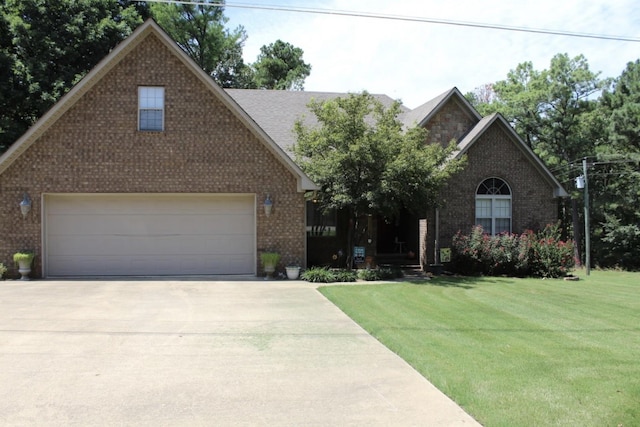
276, 111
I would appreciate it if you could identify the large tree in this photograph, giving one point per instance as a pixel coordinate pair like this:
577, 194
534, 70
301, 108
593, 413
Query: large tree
365, 162
201, 31
47, 46
280, 66
616, 173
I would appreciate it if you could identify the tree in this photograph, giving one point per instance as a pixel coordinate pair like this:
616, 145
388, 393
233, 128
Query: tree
617, 173
46, 47
366, 163
280, 66
200, 31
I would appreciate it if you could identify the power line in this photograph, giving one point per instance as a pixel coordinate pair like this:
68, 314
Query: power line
358, 14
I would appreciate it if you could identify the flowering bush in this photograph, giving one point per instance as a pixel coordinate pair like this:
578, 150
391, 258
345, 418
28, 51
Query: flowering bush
541, 254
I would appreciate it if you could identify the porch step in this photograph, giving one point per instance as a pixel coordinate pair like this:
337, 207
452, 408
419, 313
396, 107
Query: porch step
410, 266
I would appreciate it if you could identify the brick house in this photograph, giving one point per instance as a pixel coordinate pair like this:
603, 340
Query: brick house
147, 167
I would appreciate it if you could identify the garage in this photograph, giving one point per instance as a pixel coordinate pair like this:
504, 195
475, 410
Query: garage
148, 234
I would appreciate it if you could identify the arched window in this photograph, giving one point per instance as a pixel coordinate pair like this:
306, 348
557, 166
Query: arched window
493, 206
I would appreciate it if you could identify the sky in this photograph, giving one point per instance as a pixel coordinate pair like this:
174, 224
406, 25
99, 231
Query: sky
416, 61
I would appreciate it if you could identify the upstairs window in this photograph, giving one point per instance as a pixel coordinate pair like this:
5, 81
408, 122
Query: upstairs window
493, 206
150, 108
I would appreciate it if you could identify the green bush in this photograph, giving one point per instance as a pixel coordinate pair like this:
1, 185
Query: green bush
381, 273
345, 275
369, 274
3, 269
318, 275
541, 254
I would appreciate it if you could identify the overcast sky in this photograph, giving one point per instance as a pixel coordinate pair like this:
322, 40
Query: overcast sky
416, 61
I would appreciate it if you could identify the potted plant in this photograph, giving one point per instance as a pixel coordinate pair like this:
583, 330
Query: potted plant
293, 272
269, 262
24, 260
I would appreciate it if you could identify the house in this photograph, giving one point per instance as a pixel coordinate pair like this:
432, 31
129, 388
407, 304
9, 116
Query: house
147, 167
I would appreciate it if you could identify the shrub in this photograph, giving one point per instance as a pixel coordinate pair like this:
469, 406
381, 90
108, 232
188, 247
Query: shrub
369, 274
318, 275
541, 254
3, 269
383, 273
345, 275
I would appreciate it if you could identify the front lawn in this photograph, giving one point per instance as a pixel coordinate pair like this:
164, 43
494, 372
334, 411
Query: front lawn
515, 352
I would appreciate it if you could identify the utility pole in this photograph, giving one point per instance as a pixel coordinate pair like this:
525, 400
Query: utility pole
587, 234
582, 182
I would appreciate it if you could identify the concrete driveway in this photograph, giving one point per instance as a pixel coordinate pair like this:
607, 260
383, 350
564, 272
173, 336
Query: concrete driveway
199, 353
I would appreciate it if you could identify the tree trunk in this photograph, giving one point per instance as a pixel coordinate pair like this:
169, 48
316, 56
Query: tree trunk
350, 239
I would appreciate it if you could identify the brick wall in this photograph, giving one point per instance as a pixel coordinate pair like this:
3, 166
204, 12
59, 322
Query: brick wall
95, 148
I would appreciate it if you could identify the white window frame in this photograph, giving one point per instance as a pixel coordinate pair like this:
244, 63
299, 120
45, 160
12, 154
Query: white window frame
495, 207
151, 98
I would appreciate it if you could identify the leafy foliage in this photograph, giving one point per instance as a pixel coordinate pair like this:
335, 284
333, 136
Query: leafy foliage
3, 270
365, 162
382, 273
541, 254
318, 275
616, 179
280, 66
201, 31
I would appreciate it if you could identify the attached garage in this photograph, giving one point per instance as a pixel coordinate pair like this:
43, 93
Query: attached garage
148, 234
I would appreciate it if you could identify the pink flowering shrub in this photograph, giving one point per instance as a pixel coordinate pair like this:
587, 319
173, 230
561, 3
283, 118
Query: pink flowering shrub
541, 254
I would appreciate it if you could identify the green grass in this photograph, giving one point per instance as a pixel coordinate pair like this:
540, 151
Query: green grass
515, 352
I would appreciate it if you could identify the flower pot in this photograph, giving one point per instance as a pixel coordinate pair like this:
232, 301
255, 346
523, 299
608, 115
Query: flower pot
269, 270
24, 268
293, 272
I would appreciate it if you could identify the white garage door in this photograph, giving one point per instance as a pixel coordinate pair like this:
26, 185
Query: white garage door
142, 234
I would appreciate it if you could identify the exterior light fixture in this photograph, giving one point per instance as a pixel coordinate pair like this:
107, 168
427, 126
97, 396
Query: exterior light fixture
25, 205
268, 205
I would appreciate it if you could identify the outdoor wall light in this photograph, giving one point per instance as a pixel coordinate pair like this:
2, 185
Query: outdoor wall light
25, 205
268, 205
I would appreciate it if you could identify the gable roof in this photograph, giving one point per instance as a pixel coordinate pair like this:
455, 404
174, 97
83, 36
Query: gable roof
149, 28
277, 111
496, 119
419, 116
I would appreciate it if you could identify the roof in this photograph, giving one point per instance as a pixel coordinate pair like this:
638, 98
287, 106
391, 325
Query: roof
496, 118
419, 116
277, 111
148, 29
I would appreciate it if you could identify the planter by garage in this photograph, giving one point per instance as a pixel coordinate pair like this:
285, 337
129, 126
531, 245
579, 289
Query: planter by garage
293, 272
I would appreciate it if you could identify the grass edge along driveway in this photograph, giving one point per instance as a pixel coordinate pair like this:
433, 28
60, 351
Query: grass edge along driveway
525, 352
